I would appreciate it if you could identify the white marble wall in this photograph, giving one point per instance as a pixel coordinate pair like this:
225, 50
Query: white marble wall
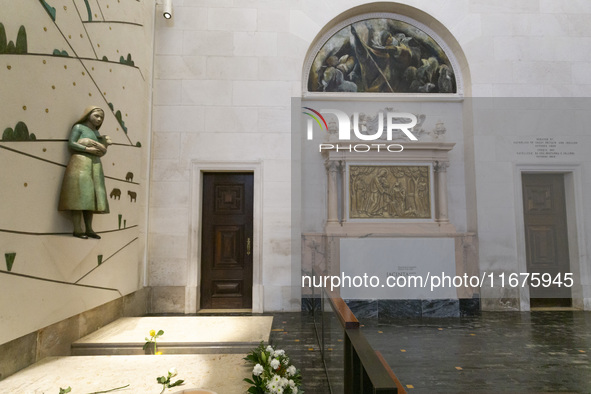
222, 95
225, 72
501, 127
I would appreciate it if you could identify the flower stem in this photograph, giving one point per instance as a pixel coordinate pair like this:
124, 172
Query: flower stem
163, 388
106, 391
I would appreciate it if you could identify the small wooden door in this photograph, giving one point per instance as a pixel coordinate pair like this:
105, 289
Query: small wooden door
226, 243
546, 237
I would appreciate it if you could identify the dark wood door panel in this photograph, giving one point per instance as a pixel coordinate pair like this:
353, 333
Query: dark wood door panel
229, 199
546, 236
540, 199
226, 258
229, 247
542, 245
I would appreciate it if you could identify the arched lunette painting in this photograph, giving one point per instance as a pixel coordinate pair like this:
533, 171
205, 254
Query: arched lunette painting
381, 56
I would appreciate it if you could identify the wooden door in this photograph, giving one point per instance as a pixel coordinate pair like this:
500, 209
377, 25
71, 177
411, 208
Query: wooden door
226, 242
546, 237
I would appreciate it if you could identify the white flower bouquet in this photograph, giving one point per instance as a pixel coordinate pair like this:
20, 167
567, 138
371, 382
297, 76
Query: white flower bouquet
272, 372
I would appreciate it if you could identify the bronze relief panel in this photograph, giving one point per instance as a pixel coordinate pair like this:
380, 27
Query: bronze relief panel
389, 192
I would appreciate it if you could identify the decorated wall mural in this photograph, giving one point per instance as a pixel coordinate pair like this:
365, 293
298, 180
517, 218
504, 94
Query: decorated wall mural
381, 56
57, 57
389, 192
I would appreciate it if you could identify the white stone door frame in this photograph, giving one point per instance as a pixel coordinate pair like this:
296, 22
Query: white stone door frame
574, 218
193, 287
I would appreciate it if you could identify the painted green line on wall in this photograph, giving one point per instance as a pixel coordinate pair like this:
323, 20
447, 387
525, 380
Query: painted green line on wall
59, 281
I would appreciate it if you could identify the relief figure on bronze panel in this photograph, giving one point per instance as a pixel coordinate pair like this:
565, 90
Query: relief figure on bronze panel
378, 197
411, 206
423, 197
358, 195
396, 206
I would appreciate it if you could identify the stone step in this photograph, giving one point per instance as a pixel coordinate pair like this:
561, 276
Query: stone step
182, 335
171, 348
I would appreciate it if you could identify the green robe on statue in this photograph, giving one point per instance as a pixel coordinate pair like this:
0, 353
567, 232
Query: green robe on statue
83, 187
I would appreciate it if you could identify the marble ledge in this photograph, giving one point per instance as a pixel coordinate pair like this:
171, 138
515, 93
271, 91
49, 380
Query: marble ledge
386, 311
393, 229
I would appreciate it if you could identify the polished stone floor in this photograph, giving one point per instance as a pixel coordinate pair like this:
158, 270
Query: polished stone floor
496, 352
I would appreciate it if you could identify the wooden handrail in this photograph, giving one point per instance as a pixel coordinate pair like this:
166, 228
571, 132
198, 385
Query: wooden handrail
378, 373
346, 317
365, 370
399, 386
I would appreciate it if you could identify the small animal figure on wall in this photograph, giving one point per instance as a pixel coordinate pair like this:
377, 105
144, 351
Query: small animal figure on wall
132, 196
116, 194
129, 177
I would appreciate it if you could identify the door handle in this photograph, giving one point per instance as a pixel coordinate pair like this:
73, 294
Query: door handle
248, 246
